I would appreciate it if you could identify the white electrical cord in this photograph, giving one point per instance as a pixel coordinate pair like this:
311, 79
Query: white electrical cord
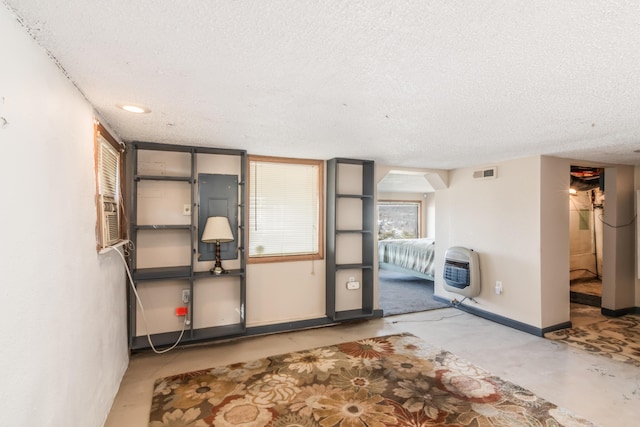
110, 248
135, 292
427, 320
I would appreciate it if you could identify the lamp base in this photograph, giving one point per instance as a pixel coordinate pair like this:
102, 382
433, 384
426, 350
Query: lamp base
218, 270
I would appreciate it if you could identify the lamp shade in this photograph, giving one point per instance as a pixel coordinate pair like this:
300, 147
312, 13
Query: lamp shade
217, 229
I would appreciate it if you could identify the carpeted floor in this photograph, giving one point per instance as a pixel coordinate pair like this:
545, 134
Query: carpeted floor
616, 338
395, 380
400, 294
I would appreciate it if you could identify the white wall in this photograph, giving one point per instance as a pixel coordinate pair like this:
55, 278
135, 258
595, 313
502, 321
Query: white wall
64, 333
554, 241
500, 219
285, 291
429, 207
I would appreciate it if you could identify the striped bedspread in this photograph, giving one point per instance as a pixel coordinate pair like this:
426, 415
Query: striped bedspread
413, 254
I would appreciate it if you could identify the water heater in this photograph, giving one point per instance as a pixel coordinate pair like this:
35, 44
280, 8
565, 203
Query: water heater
462, 271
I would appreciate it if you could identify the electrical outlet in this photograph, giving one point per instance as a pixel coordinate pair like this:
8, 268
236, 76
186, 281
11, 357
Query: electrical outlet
498, 287
186, 296
186, 210
352, 284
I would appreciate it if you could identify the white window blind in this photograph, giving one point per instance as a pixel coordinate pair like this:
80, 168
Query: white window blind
108, 169
284, 211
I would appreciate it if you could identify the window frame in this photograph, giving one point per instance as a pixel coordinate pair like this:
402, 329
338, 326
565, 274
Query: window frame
100, 130
404, 201
321, 179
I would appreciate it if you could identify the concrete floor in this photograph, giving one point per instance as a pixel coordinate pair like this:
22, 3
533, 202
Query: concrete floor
599, 389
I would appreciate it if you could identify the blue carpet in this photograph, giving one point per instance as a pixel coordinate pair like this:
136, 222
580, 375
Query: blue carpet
400, 294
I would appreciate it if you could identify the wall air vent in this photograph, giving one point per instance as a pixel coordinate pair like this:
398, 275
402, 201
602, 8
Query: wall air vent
489, 173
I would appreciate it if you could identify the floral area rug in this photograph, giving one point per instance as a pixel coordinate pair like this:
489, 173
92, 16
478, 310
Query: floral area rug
395, 380
617, 338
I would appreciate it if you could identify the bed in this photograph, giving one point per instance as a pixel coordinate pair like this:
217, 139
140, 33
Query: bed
410, 256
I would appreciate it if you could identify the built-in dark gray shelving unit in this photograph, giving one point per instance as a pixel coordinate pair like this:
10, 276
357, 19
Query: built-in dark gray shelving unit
185, 273
366, 265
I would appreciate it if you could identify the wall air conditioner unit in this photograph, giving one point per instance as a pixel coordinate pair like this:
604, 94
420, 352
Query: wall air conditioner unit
489, 173
109, 216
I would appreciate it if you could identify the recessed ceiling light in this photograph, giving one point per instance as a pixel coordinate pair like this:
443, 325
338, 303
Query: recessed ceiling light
137, 109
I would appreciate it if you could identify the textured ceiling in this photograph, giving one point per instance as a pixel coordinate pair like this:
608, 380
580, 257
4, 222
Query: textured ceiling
424, 83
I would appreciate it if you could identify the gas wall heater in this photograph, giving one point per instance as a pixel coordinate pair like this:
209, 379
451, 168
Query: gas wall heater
462, 271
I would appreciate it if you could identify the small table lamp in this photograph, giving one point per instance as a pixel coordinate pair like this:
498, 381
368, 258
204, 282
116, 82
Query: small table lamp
217, 230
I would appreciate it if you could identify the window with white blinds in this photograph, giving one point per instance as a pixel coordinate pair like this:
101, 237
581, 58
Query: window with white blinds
108, 200
109, 168
285, 209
